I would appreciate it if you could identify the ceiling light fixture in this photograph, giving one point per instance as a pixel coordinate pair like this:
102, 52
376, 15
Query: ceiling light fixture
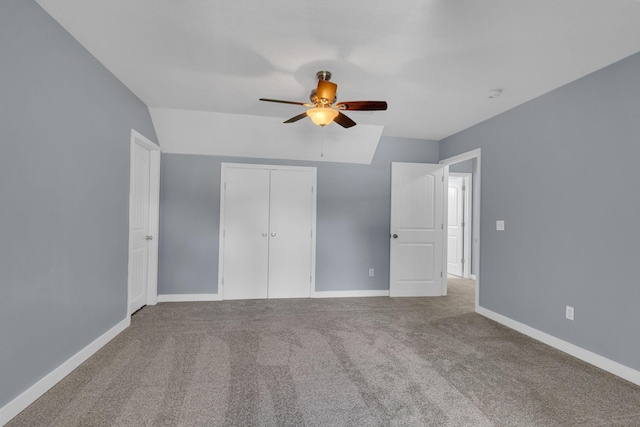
322, 116
324, 109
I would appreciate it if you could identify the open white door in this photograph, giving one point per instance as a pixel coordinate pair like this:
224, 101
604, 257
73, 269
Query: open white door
144, 194
455, 222
417, 230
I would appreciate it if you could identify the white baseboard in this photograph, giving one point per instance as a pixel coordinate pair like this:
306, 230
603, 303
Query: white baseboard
472, 277
349, 294
189, 297
218, 297
30, 395
601, 362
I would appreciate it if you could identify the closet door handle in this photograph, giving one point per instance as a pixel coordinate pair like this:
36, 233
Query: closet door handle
273, 234
264, 234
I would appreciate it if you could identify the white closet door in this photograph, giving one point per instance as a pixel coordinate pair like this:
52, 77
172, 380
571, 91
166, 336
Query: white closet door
290, 234
246, 238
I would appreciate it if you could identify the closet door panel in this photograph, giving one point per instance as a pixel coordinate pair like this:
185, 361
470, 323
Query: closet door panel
290, 240
246, 239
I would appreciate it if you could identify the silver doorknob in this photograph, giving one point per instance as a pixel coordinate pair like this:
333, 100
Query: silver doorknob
149, 238
395, 236
264, 234
273, 234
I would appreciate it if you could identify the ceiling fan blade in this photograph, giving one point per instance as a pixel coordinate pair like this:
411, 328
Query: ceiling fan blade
344, 121
296, 118
286, 102
326, 91
362, 105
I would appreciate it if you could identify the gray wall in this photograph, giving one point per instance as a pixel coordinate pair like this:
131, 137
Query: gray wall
65, 123
462, 167
352, 218
562, 171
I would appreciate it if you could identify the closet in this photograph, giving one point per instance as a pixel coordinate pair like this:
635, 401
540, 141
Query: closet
267, 231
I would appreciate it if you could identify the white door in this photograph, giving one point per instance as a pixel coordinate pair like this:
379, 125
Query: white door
268, 232
246, 233
290, 233
417, 241
143, 222
455, 221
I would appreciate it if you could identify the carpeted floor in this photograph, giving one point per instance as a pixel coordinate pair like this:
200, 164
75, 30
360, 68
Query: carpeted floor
332, 362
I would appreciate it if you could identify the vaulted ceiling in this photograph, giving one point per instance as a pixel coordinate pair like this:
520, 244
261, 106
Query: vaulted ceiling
433, 61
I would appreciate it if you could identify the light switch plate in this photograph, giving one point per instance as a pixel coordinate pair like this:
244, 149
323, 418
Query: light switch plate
569, 312
500, 225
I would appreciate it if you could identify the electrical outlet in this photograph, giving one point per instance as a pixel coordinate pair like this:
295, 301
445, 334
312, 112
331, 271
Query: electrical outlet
569, 312
371, 272
500, 225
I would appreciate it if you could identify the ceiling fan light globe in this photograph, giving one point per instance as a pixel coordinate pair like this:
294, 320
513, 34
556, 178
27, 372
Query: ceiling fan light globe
322, 116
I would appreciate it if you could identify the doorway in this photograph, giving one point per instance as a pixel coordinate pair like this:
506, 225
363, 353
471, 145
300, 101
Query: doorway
469, 162
144, 206
459, 207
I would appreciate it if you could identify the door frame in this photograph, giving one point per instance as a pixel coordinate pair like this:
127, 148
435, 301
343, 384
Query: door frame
467, 182
223, 169
154, 215
470, 155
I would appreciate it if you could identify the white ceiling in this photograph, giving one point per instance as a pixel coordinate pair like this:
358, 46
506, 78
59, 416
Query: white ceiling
433, 61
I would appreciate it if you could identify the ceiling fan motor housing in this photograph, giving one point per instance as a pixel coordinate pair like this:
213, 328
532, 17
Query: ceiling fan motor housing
325, 94
313, 97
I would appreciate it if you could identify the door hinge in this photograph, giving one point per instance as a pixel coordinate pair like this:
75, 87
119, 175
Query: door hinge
463, 223
462, 261
441, 274
464, 187
311, 189
441, 226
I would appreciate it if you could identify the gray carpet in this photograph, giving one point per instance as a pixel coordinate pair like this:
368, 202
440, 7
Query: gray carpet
331, 362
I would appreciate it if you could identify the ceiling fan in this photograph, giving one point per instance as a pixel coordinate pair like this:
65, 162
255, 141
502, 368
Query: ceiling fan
324, 109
